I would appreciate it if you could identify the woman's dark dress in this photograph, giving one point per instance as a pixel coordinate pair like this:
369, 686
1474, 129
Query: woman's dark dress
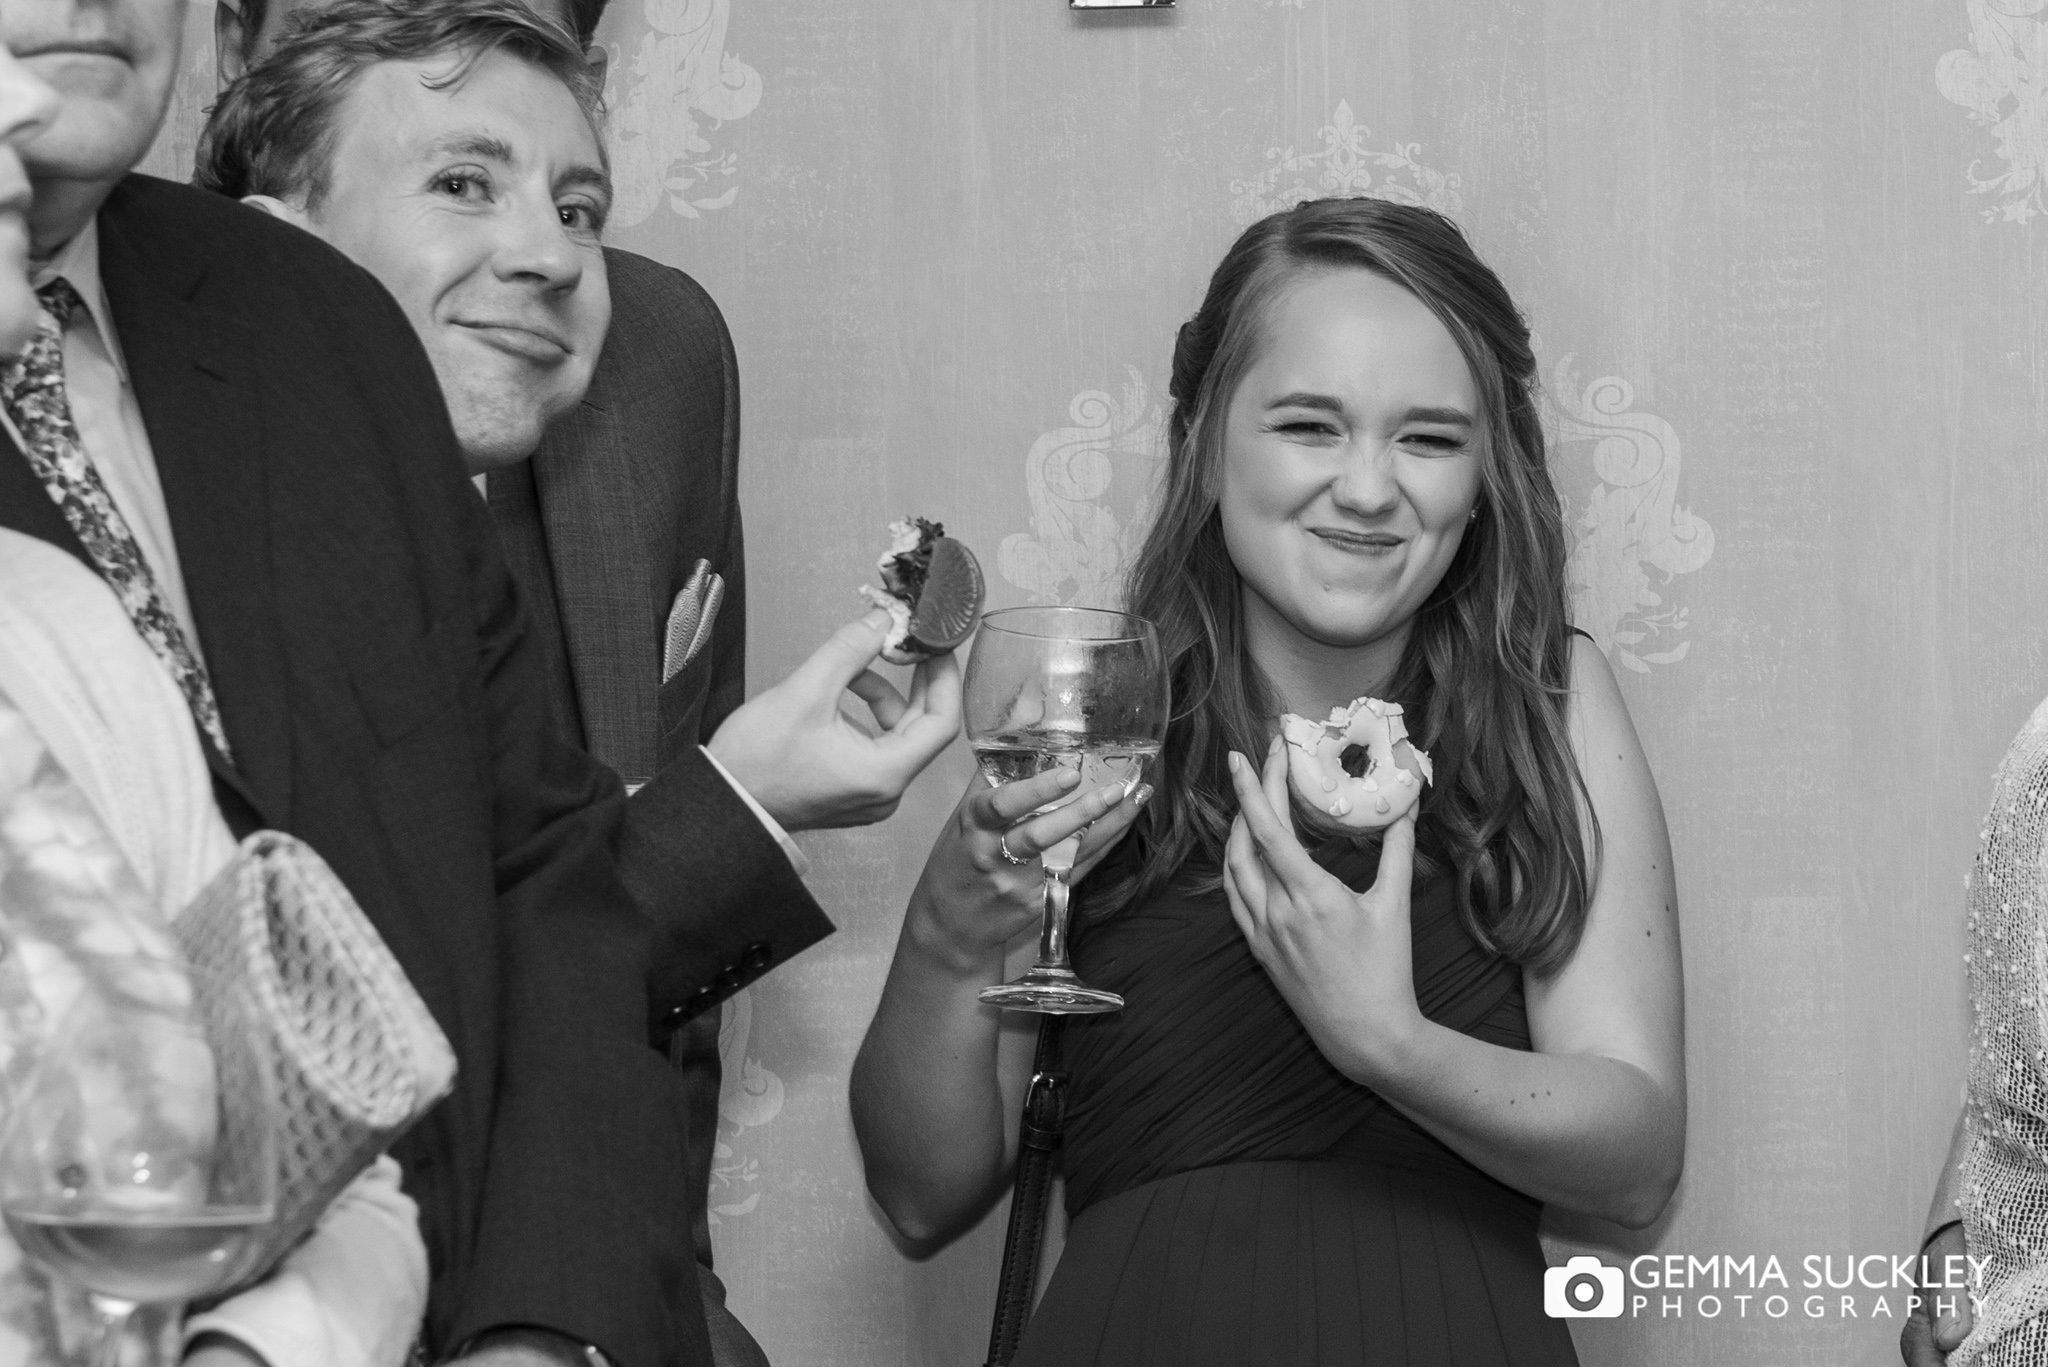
1235, 1200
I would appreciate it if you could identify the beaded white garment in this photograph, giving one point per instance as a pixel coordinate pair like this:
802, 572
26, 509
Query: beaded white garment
2004, 1186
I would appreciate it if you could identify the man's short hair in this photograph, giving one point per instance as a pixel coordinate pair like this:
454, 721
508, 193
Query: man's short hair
583, 16
273, 131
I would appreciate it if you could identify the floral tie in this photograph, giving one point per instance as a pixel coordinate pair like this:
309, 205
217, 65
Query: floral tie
32, 388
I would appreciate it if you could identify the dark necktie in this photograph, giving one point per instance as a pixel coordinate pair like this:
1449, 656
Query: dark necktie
32, 389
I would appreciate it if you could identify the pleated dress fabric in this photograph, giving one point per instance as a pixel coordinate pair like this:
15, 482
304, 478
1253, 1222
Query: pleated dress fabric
1234, 1200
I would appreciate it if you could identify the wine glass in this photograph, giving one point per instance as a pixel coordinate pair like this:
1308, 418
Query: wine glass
140, 1160
1064, 688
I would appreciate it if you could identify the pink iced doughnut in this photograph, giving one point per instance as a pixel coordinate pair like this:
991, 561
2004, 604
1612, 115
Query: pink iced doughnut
1356, 771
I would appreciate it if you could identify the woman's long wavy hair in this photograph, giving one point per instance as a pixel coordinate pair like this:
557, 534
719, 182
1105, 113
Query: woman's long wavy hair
1485, 675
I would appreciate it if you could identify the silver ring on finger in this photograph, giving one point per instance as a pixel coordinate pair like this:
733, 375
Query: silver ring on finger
1003, 844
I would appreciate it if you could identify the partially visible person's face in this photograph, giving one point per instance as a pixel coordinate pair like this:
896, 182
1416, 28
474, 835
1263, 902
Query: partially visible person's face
26, 108
112, 64
479, 205
1351, 461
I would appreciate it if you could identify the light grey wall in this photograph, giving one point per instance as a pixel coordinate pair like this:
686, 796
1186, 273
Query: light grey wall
1784, 266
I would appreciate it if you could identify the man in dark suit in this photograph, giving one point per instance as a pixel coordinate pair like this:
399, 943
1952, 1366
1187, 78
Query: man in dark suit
266, 423
623, 528
628, 513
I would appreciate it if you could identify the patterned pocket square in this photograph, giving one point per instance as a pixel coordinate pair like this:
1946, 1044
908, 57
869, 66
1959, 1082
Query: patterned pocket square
690, 619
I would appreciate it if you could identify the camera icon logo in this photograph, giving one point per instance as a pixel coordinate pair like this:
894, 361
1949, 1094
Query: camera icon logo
1583, 1289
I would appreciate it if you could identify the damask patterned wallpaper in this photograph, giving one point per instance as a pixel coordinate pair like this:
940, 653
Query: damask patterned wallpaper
1786, 271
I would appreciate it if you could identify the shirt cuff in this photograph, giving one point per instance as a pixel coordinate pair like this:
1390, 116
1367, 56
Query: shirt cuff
351, 1295
798, 860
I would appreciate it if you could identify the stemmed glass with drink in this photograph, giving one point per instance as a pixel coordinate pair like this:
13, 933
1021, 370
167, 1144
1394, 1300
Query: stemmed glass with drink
1064, 688
140, 1159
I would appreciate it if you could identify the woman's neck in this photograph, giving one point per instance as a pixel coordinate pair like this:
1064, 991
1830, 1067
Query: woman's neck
1311, 676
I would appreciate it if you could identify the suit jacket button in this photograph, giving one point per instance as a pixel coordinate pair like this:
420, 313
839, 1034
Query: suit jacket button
729, 982
757, 958
676, 1015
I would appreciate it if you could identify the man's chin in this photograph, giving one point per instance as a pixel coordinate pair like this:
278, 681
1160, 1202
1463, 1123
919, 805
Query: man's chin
496, 429
91, 140
497, 445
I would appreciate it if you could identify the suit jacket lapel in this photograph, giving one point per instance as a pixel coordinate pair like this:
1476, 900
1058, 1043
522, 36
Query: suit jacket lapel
596, 519
515, 508
185, 358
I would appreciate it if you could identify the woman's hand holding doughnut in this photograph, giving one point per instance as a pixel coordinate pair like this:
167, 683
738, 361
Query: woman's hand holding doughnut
975, 897
1343, 960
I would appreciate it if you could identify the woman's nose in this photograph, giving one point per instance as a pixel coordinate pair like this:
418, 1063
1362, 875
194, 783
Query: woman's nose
1366, 484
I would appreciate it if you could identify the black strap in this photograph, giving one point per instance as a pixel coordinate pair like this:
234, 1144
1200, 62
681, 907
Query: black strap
1937, 1232
1045, 1107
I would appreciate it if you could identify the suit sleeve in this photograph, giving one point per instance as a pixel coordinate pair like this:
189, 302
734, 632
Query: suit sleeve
725, 903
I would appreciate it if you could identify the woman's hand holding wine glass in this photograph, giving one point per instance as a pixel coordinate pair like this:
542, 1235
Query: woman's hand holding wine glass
1343, 960
1050, 690
973, 899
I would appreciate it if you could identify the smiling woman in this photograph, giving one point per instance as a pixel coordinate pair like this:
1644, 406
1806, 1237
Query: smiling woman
454, 153
1348, 1074
1350, 470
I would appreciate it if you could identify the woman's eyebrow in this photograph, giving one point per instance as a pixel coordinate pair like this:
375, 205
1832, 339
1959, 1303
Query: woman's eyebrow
1445, 417
1303, 399
1449, 417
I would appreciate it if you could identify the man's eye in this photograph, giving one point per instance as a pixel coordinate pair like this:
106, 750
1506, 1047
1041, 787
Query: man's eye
1306, 428
581, 218
462, 185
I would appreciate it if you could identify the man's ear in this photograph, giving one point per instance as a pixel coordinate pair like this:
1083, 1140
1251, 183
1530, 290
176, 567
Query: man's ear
599, 56
227, 42
284, 209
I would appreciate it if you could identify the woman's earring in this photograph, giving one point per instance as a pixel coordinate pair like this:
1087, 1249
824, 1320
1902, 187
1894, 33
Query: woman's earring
1474, 517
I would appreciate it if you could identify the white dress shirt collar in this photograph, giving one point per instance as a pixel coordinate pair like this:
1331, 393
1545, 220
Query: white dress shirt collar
79, 262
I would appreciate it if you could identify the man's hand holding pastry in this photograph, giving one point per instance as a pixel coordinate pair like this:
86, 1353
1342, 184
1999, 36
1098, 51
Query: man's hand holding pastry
799, 756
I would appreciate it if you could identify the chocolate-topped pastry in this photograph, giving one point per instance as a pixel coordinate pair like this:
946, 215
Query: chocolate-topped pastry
931, 588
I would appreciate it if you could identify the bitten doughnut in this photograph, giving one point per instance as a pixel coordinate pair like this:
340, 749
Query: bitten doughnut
1356, 771
931, 589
